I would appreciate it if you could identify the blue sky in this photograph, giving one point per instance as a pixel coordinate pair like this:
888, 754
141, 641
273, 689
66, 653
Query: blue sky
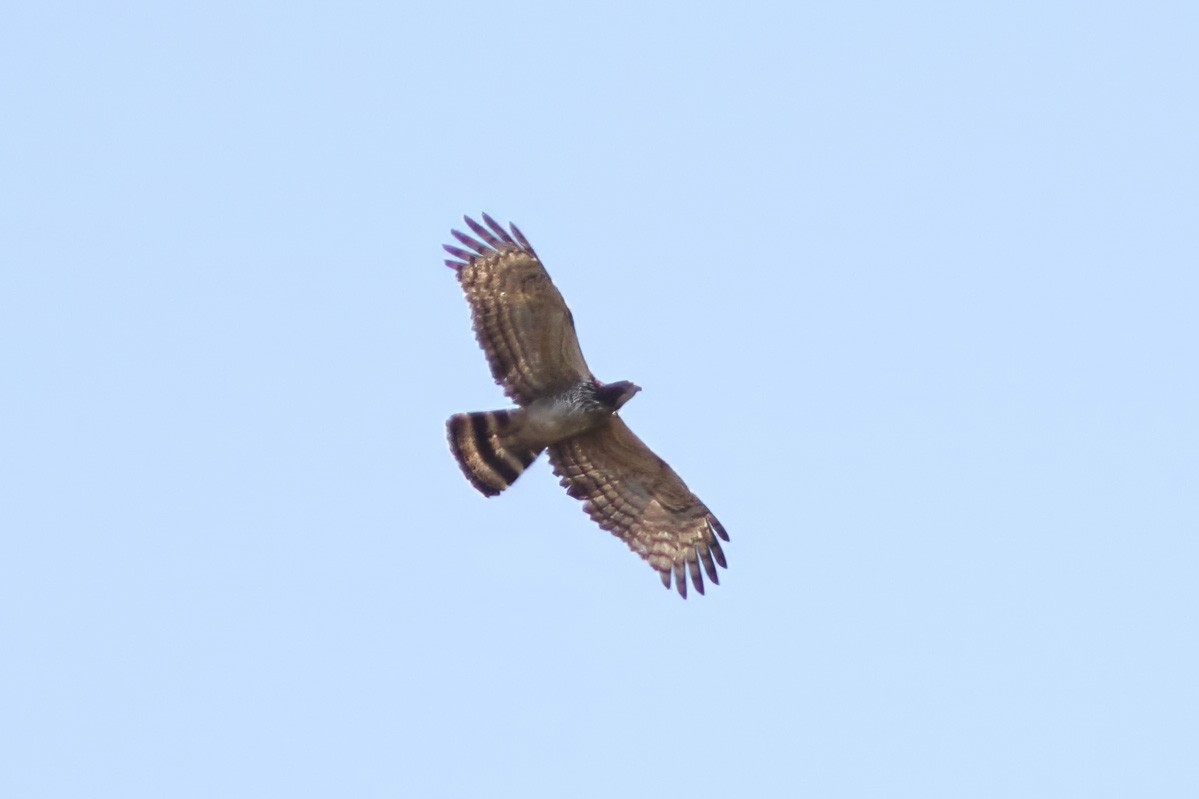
911, 292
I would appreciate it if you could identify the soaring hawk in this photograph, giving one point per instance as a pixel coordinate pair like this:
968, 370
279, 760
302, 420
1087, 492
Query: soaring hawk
528, 335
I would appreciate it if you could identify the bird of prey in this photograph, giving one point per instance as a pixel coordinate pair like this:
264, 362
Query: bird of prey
527, 332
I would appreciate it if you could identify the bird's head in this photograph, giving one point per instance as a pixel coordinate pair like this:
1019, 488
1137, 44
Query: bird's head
616, 394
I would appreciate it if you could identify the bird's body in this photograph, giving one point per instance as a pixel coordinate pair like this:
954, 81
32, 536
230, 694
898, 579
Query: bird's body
528, 335
582, 407
494, 447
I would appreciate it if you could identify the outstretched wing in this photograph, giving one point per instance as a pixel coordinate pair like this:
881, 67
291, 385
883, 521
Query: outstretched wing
635, 495
521, 321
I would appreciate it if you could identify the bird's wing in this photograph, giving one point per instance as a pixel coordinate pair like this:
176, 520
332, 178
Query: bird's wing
635, 495
520, 319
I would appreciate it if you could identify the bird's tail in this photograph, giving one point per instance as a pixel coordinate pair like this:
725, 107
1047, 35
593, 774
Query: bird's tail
478, 443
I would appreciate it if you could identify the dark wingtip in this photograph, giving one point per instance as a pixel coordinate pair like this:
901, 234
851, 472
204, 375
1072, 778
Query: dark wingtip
457, 252
498, 228
483, 233
468, 241
520, 237
705, 555
680, 579
718, 553
492, 235
697, 578
718, 528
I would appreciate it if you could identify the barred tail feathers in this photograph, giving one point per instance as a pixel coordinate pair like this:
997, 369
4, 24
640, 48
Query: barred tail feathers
477, 441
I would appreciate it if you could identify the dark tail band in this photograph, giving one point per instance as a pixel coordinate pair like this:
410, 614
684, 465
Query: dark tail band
476, 439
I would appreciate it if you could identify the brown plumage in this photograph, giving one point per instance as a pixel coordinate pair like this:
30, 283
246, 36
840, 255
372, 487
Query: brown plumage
526, 331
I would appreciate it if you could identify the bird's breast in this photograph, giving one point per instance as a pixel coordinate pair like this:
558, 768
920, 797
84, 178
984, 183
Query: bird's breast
552, 419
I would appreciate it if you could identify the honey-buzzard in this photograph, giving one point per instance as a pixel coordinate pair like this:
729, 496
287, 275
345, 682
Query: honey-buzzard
528, 335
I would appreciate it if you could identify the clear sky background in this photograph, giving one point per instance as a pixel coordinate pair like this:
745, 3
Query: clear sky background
911, 290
